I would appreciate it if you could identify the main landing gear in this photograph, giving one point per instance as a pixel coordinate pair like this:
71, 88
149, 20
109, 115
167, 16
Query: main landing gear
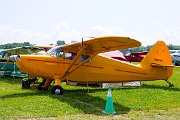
41, 85
170, 84
57, 89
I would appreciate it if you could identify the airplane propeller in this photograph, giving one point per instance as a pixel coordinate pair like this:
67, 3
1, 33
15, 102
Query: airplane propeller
14, 58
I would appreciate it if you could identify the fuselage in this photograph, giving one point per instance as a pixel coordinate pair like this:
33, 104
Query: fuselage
99, 69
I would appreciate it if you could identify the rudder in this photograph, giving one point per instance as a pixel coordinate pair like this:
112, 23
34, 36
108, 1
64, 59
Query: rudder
159, 54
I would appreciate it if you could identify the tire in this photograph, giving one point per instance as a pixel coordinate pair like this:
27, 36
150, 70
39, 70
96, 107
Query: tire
40, 86
58, 90
171, 85
26, 84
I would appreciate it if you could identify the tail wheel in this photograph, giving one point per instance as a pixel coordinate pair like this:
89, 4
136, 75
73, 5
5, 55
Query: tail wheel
171, 85
58, 90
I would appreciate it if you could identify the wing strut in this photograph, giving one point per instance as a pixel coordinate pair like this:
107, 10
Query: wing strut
4, 67
67, 72
83, 63
72, 63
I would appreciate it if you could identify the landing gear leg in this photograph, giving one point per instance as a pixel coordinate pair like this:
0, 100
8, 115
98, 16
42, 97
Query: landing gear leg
44, 85
47, 84
170, 84
40, 86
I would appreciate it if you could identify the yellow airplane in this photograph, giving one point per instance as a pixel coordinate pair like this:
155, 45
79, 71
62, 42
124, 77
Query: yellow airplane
80, 62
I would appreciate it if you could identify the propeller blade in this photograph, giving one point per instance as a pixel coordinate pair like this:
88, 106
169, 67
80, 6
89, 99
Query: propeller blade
14, 58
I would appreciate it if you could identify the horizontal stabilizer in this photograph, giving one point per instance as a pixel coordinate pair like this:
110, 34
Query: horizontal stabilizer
159, 65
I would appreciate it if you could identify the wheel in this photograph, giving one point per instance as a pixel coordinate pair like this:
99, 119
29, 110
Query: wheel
171, 85
40, 86
58, 90
26, 83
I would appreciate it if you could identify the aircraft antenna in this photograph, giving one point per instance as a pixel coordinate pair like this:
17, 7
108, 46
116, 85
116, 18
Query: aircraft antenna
14, 69
82, 42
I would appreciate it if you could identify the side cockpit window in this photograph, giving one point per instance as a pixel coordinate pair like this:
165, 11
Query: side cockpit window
84, 57
70, 55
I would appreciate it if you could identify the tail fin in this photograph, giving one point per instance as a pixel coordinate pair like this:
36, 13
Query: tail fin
158, 56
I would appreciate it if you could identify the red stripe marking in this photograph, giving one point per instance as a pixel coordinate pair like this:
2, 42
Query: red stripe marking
65, 63
131, 72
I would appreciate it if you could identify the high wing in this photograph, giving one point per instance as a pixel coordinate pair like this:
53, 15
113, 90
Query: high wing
103, 44
23, 50
27, 49
46, 48
16, 50
97, 45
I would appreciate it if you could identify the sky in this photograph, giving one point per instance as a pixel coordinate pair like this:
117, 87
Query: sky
44, 22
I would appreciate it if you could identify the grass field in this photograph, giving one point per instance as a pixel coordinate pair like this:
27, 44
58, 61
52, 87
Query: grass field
153, 100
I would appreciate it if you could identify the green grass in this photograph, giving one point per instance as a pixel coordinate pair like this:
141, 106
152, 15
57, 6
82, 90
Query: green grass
153, 100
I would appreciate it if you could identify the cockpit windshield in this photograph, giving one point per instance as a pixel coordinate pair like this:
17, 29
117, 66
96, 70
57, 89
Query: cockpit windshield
56, 51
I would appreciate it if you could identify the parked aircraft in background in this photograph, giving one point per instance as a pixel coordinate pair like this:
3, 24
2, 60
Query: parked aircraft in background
175, 57
138, 56
80, 62
135, 56
7, 67
115, 54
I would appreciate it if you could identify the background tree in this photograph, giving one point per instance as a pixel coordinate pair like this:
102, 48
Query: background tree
13, 45
61, 42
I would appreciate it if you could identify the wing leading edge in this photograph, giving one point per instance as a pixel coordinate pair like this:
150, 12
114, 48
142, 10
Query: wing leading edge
103, 44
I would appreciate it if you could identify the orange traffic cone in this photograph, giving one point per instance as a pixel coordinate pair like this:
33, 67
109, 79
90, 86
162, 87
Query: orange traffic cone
109, 109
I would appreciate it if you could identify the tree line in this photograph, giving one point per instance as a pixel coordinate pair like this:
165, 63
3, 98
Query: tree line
62, 42
14, 45
148, 47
